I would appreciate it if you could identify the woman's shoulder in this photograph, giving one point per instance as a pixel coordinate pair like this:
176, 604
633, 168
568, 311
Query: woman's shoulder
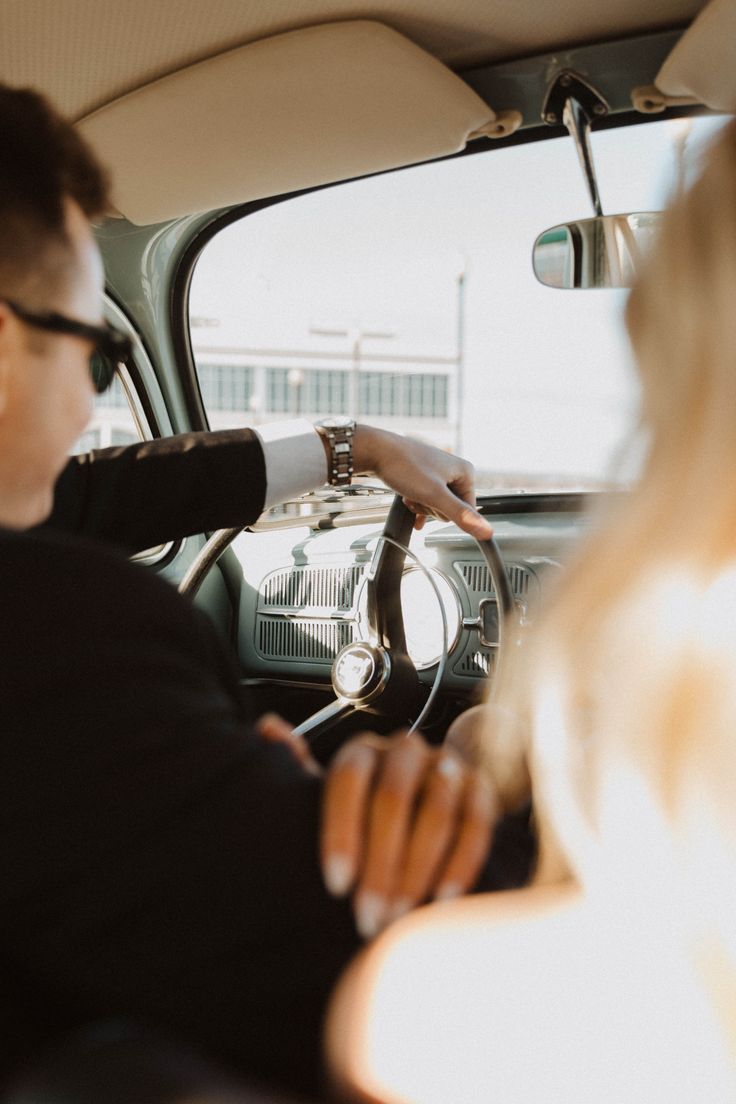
520, 996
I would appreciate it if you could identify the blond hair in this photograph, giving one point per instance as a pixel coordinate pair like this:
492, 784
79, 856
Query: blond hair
623, 709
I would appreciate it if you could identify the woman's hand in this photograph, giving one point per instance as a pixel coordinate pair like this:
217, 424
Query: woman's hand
402, 823
465, 734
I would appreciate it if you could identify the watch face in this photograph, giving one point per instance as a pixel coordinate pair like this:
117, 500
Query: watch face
337, 423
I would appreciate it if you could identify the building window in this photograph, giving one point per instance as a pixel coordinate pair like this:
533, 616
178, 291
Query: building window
419, 395
226, 386
426, 396
326, 391
277, 390
306, 391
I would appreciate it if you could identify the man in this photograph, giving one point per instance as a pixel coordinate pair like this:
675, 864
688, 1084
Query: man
159, 857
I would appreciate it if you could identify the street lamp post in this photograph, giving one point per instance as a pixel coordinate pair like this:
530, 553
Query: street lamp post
254, 406
296, 382
460, 280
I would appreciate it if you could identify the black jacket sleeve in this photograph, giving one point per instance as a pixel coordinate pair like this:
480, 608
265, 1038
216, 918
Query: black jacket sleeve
142, 495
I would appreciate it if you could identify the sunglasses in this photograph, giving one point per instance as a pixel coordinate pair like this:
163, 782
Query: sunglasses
111, 347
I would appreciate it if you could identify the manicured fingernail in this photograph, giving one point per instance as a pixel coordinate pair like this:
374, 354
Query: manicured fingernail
359, 756
450, 769
447, 892
399, 908
370, 913
338, 874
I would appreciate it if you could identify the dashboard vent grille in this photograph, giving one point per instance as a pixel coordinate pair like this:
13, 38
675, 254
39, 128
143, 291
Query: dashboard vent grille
302, 638
519, 578
330, 588
477, 578
476, 663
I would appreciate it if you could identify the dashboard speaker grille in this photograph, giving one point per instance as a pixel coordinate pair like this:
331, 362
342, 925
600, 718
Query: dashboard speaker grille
477, 578
328, 588
519, 577
476, 663
302, 638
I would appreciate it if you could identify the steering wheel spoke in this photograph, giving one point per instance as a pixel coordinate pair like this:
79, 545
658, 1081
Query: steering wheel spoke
324, 719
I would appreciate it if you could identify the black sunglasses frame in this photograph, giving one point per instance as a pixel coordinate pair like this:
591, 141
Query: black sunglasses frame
111, 346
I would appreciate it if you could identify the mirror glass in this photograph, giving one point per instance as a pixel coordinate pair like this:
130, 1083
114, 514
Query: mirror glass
600, 252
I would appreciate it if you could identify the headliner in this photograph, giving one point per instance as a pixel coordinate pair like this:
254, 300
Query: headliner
85, 53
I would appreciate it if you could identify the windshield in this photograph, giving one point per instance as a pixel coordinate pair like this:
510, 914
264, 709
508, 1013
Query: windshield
409, 301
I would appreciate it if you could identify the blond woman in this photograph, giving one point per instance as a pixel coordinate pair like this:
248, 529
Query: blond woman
612, 978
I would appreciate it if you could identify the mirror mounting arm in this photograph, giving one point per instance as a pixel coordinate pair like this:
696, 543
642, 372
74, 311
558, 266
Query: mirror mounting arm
572, 102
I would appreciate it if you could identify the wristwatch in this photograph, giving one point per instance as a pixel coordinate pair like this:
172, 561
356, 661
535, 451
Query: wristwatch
339, 433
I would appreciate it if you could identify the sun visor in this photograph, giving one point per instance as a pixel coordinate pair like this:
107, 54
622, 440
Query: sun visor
294, 111
703, 63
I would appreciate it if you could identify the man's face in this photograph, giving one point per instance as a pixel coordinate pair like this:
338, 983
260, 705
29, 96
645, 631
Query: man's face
46, 394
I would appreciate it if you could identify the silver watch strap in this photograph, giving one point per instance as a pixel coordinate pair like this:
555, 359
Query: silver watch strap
340, 439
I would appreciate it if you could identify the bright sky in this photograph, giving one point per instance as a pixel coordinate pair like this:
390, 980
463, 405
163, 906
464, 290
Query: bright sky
549, 385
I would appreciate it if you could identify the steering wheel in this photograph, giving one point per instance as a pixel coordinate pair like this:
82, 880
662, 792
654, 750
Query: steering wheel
376, 673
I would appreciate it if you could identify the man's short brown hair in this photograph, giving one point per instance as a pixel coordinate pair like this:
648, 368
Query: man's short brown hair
44, 162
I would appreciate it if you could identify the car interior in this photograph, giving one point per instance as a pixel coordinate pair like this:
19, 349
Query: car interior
376, 209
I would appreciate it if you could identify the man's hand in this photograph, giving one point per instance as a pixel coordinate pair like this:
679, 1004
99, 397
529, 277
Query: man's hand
276, 730
430, 481
402, 822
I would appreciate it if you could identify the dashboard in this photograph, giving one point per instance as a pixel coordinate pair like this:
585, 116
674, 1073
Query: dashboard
303, 593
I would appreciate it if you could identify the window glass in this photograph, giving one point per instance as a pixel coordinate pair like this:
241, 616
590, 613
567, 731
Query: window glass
113, 422
408, 299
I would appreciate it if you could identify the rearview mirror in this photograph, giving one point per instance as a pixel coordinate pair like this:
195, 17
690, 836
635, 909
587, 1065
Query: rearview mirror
601, 252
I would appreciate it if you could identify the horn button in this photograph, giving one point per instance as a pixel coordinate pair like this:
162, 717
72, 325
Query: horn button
363, 672
360, 672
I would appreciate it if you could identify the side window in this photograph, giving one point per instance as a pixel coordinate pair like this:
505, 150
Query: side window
117, 419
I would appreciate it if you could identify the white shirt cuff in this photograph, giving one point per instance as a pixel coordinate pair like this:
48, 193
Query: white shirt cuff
295, 460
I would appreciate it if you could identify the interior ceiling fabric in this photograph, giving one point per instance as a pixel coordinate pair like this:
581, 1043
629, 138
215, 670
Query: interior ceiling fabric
703, 64
85, 53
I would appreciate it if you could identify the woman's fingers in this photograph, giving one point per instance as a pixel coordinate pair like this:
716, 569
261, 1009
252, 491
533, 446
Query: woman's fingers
479, 813
402, 822
389, 828
370, 797
434, 831
345, 812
